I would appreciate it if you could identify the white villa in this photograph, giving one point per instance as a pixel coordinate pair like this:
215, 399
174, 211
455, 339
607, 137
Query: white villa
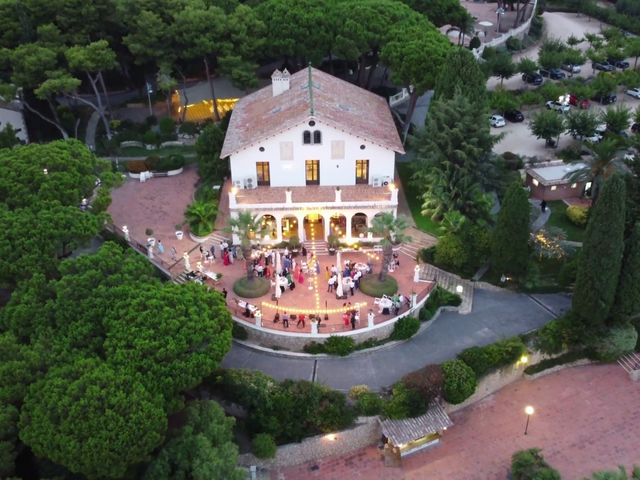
312, 155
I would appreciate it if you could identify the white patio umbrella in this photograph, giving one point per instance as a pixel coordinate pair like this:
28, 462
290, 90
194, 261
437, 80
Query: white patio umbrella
187, 264
339, 291
278, 291
278, 263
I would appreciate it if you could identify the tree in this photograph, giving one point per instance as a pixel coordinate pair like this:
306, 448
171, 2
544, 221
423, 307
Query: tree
550, 59
208, 147
573, 56
92, 419
461, 72
247, 227
617, 119
502, 66
451, 153
503, 100
8, 438
632, 49
600, 260
620, 474
603, 84
439, 12
527, 66
8, 137
547, 124
581, 123
510, 249
202, 450
391, 230
200, 216
627, 305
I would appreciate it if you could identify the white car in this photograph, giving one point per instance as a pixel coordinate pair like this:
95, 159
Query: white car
497, 121
634, 92
601, 128
571, 68
595, 138
557, 106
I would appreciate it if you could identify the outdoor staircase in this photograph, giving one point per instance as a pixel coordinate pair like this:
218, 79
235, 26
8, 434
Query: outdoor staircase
320, 246
419, 240
214, 239
449, 282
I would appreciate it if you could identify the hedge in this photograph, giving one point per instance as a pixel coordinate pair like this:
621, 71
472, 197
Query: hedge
370, 285
438, 298
548, 363
405, 328
482, 360
257, 287
530, 465
459, 381
615, 342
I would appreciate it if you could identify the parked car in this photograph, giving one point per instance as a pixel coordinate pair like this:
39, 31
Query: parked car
556, 74
601, 128
533, 78
634, 92
514, 116
635, 128
595, 138
603, 66
621, 64
544, 72
557, 106
606, 99
497, 121
571, 68
581, 103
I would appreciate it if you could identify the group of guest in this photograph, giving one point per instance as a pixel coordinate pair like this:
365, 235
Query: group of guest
350, 277
350, 316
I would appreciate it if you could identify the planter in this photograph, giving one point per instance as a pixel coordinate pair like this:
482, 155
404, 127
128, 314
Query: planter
332, 251
198, 239
179, 234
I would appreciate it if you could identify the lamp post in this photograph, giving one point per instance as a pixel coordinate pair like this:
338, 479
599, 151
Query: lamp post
529, 411
499, 12
149, 92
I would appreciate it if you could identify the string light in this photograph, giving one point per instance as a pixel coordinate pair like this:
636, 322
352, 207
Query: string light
313, 311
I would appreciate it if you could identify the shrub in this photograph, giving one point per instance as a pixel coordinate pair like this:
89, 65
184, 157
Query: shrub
427, 381
372, 286
474, 43
450, 252
617, 341
338, 345
512, 161
151, 138
577, 215
555, 361
553, 337
151, 162
427, 255
136, 166
514, 43
404, 403
356, 390
239, 332
405, 328
530, 97
188, 128
530, 465
257, 287
167, 128
482, 360
438, 298
459, 381
369, 403
263, 446
171, 162
314, 348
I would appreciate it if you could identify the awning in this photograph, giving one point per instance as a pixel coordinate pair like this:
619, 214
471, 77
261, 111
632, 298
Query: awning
409, 429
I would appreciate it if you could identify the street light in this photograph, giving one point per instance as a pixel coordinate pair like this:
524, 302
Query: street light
529, 411
499, 12
149, 92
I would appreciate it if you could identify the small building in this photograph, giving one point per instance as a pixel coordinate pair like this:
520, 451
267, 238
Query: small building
554, 182
313, 156
410, 435
11, 114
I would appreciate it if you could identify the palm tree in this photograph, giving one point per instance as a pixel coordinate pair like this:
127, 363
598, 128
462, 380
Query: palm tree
391, 230
598, 167
247, 226
200, 216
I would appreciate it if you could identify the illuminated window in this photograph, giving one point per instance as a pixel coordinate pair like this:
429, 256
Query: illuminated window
362, 172
535, 182
553, 187
574, 185
262, 172
312, 172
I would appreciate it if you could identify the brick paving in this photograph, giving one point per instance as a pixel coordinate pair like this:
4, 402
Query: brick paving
586, 419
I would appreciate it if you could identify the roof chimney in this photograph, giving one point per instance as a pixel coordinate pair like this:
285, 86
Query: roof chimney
280, 81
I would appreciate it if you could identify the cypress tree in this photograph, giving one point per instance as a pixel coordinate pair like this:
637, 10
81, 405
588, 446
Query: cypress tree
510, 242
601, 257
627, 304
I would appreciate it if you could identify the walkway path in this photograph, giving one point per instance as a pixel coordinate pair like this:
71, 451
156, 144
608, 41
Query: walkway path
495, 315
579, 430
543, 217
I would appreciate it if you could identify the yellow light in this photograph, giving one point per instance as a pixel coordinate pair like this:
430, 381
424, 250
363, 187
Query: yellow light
529, 410
524, 359
331, 437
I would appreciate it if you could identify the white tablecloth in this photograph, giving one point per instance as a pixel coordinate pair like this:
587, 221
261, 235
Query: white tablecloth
385, 303
361, 267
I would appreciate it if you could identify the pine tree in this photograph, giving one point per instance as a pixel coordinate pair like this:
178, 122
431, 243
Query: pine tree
601, 257
462, 72
627, 304
510, 243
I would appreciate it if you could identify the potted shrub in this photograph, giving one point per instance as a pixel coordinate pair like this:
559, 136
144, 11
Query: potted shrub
294, 244
179, 232
334, 243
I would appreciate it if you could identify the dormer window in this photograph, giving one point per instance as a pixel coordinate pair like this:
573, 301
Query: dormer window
306, 137
317, 136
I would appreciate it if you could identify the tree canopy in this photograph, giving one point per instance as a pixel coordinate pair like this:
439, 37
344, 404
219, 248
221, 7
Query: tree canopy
510, 243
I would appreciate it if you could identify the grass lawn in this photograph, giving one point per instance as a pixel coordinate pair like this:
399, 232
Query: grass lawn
559, 219
162, 152
415, 203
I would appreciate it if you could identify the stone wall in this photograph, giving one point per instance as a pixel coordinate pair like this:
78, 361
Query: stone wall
365, 432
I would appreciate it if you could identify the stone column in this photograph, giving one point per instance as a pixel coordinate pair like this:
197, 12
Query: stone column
278, 228
414, 299
326, 219
232, 198
288, 196
258, 318
338, 195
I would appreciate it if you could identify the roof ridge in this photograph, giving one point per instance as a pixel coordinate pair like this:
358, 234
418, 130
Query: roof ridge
310, 88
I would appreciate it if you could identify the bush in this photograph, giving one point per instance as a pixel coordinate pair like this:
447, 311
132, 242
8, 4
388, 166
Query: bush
577, 215
451, 252
530, 97
438, 298
553, 337
404, 403
167, 128
617, 341
372, 286
482, 360
239, 332
356, 390
263, 446
171, 162
459, 381
514, 43
369, 403
136, 166
530, 465
427, 381
474, 43
427, 255
188, 128
151, 138
405, 328
339, 345
555, 361
512, 161
314, 348
257, 287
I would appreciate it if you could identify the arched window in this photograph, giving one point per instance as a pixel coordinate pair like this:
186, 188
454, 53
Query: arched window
317, 136
306, 137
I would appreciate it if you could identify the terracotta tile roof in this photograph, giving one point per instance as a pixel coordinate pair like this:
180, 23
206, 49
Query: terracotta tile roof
409, 429
326, 194
335, 102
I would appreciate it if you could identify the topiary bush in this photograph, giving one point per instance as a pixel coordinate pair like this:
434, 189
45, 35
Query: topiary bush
530, 465
170, 162
482, 360
339, 345
427, 381
405, 328
404, 403
459, 381
372, 286
151, 138
167, 128
615, 342
577, 215
254, 288
264, 446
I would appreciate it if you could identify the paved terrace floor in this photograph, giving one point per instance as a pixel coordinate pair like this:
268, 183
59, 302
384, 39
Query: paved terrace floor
586, 419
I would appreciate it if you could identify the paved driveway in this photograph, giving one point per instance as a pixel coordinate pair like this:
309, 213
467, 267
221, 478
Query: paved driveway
586, 419
495, 315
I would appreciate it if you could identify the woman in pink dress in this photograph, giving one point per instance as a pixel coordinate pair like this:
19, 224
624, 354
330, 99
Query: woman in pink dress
346, 318
225, 258
300, 277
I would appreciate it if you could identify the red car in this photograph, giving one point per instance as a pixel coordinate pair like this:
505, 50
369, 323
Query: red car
581, 103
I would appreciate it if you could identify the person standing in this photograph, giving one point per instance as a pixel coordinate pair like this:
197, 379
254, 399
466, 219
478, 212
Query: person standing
201, 252
330, 284
213, 251
301, 320
370, 317
224, 293
285, 320
174, 254
160, 247
353, 319
346, 318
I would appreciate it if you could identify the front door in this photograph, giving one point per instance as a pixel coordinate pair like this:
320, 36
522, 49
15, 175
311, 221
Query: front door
312, 168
